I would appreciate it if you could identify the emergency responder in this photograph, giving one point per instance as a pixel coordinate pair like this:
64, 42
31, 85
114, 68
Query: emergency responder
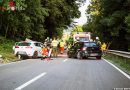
48, 41
49, 46
77, 40
103, 48
54, 47
61, 46
69, 46
44, 51
98, 41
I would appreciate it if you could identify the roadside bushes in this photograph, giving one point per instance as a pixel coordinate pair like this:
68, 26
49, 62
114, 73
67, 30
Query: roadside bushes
6, 50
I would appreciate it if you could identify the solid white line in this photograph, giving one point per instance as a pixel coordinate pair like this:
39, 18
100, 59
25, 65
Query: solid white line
31, 81
65, 60
7, 64
118, 69
12, 63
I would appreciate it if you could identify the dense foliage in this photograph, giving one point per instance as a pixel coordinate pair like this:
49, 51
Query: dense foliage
75, 29
110, 20
36, 19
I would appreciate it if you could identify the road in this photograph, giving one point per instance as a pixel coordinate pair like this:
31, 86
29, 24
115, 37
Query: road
61, 74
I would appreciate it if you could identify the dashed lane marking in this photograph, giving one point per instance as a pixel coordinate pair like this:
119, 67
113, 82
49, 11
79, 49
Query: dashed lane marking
30, 81
65, 60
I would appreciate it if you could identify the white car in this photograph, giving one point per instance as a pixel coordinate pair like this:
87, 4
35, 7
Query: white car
29, 49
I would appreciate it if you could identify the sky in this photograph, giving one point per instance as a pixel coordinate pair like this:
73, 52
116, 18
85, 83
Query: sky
82, 20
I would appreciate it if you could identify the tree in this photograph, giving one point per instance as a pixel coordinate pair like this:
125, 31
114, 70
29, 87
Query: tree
107, 20
75, 29
37, 19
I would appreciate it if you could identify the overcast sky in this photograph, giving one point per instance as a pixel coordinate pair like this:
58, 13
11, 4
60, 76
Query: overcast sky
82, 20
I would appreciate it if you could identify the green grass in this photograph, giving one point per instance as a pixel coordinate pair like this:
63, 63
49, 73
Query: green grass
6, 50
121, 62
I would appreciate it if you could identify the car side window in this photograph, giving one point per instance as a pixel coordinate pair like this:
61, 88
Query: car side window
41, 44
37, 44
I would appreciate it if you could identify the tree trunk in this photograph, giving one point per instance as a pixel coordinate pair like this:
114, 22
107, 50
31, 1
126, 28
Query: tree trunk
6, 31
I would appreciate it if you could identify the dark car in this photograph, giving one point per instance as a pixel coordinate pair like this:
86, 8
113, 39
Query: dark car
84, 50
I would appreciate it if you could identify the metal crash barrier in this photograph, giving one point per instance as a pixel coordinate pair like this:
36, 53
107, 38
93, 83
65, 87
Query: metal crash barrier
120, 53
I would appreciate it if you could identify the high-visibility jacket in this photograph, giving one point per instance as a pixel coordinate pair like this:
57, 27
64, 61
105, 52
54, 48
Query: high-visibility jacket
44, 51
55, 43
69, 46
61, 44
103, 47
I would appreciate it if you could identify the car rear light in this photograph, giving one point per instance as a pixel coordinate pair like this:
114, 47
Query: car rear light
29, 47
16, 46
84, 48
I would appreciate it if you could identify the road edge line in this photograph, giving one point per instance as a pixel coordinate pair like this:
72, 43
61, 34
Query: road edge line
13, 62
7, 64
30, 81
125, 74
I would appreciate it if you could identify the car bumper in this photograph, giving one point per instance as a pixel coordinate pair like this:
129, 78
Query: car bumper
24, 53
93, 54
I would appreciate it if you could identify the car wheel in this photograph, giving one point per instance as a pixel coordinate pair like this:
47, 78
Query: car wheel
79, 56
69, 56
35, 54
86, 57
98, 57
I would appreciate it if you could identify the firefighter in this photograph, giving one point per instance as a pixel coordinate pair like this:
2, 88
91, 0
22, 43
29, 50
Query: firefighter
44, 52
55, 47
61, 44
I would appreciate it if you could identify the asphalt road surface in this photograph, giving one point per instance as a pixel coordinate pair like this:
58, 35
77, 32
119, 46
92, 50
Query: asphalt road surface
61, 74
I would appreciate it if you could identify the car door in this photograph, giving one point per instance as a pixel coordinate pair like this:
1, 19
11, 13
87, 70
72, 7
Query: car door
38, 47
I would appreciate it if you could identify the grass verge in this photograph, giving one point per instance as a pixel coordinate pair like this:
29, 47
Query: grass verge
121, 62
6, 50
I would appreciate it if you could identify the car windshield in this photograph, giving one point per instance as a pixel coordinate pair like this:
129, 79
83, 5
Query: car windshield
90, 44
24, 44
84, 39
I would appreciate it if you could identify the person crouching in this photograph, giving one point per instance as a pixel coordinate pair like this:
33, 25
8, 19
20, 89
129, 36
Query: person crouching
44, 52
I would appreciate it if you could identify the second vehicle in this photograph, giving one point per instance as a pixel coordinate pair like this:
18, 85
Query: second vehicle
84, 50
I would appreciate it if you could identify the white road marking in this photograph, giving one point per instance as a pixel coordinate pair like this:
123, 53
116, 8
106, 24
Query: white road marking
7, 64
65, 60
12, 63
118, 69
31, 81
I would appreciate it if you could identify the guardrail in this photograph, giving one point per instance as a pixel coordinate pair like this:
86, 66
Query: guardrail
120, 53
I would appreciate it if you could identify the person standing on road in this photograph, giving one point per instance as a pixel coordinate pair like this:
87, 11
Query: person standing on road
69, 46
61, 44
103, 48
54, 47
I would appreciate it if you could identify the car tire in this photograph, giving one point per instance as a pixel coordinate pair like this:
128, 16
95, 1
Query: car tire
79, 56
35, 55
98, 57
69, 56
86, 57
